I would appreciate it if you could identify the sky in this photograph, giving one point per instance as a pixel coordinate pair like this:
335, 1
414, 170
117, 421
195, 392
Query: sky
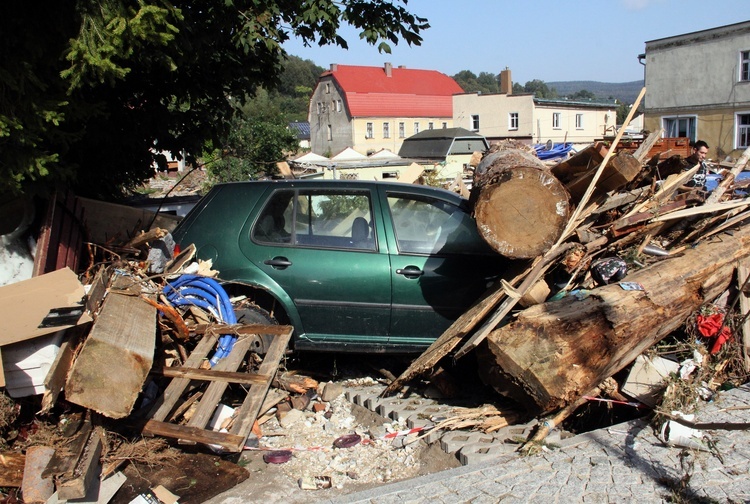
549, 40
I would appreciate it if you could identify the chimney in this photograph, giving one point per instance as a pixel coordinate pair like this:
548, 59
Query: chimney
388, 69
506, 84
334, 67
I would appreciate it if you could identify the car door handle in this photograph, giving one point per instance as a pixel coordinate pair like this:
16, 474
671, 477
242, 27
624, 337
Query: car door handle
278, 262
410, 272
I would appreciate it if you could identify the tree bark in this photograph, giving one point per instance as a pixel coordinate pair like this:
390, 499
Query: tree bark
520, 207
554, 352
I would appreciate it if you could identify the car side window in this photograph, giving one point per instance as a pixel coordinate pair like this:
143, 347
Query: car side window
334, 219
316, 218
274, 224
425, 225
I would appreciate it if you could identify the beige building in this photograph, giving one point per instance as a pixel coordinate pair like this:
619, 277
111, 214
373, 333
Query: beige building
698, 86
533, 120
373, 108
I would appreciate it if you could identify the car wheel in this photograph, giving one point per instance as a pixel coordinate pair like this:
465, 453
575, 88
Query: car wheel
253, 314
249, 314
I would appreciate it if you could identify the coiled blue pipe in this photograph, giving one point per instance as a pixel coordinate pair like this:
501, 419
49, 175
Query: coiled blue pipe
206, 293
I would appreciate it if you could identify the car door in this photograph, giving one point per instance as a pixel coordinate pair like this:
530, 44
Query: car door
322, 247
439, 264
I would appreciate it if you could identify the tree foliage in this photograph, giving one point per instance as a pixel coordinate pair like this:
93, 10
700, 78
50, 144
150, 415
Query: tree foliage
91, 90
485, 83
258, 138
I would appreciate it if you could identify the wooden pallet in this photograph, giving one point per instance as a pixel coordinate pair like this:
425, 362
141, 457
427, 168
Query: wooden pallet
225, 372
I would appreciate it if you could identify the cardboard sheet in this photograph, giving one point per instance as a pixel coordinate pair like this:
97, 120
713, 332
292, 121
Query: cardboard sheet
25, 304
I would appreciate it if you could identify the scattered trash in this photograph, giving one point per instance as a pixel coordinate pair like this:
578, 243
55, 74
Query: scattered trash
347, 441
314, 482
608, 270
277, 457
673, 433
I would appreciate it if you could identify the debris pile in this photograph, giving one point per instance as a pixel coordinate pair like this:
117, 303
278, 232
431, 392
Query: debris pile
635, 291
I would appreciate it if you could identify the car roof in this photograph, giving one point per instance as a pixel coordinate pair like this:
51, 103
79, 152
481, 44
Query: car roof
326, 183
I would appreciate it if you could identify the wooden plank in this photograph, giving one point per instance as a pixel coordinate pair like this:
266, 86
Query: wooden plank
250, 408
47, 242
450, 338
86, 470
11, 469
212, 375
64, 462
194, 434
167, 401
116, 356
743, 271
703, 209
54, 382
643, 150
215, 390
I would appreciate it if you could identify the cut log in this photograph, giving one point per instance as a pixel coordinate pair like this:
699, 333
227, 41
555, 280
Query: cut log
520, 208
554, 352
109, 373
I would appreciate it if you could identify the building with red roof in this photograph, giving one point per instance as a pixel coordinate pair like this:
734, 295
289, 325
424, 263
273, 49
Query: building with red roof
375, 108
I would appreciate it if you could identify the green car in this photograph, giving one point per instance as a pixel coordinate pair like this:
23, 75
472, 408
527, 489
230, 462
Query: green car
352, 265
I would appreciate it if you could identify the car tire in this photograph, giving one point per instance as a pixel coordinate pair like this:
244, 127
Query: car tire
253, 314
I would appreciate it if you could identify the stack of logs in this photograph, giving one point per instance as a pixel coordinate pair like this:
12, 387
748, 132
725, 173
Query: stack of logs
597, 204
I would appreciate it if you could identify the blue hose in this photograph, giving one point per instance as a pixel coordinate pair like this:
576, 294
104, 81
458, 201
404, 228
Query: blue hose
206, 293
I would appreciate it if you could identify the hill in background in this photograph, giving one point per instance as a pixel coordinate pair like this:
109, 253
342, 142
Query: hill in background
625, 92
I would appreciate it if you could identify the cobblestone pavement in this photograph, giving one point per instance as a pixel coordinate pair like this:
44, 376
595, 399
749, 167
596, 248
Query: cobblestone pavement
620, 464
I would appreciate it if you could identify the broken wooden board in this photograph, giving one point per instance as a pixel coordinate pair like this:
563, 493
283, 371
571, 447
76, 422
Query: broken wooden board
88, 468
11, 469
555, 351
620, 170
112, 367
197, 430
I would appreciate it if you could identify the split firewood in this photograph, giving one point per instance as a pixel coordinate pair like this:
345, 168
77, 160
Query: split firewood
298, 384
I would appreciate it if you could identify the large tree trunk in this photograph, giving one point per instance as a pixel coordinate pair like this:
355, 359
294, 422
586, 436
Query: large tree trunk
520, 207
554, 352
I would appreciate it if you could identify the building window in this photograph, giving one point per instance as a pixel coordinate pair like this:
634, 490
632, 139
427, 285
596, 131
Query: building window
743, 131
328, 88
679, 127
513, 120
475, 123
320, 106
416, 128
555, 120
445, 125
330, 133
579, 121
368, 134
338, 105
401, 130
430, 125
386, 130
745, 66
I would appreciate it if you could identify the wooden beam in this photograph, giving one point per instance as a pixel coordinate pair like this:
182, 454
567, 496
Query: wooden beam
211, 375
116, 356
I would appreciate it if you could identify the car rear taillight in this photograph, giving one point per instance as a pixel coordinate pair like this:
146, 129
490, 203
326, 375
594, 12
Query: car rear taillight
176, 250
